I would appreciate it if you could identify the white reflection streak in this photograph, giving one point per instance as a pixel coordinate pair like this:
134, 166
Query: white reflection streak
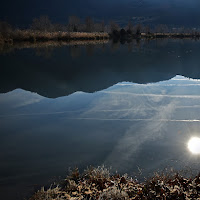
102, 119
192, 106
136, 135
154, 95
28, 102
109, 119
153, 120
38, 114
133, 109
158, 85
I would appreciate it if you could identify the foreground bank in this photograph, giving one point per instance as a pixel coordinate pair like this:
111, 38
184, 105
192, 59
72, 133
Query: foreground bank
97, 183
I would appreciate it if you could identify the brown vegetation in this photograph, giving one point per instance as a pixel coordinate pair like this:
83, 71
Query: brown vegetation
97, 183
43, 30
39, 36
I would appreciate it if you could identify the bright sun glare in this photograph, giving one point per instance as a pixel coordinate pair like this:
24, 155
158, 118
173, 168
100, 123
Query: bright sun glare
194, 145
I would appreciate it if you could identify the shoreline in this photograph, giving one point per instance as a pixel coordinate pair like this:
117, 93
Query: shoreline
34, 37
19, 36
10, 45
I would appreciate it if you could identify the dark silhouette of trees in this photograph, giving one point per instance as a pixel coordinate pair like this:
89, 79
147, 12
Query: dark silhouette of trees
74, 23
5, 29
98, 27
89, 24
103, 26
138, 29
123, 32
161, 28
130, 27
114, 26
147, 30
42, 24
59, 27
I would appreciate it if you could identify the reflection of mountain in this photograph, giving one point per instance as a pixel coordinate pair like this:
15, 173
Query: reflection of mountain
62, 75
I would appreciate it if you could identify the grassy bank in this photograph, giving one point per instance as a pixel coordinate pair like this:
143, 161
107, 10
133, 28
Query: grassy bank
98, 183
31, 36
42, 36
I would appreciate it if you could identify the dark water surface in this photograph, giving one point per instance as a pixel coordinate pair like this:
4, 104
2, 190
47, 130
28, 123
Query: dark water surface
133, 107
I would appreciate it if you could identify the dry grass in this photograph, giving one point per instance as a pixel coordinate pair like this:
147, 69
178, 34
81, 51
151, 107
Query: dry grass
35, 36
97, 183
50, 194
42, 36
101, 172
114, 193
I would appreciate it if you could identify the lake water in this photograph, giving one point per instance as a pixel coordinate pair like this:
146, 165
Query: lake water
132, 107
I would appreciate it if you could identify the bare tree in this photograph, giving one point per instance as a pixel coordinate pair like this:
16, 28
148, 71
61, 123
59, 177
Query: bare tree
103, 26
82, 27
89, 24
5, 28
162, 28
130, 27
147, 30
74, 22
138, 29
107, 28
42, 24
182, 30
59, 27
99, 27
114, 26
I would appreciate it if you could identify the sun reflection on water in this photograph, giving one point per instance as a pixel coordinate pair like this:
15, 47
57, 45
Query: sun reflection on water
194, 145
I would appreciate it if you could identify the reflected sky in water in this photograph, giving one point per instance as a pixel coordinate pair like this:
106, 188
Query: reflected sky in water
125, 126
128, 126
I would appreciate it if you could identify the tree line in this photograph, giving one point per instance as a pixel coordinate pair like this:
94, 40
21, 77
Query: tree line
75, 24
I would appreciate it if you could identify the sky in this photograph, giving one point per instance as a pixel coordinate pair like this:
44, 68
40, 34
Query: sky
177, 12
